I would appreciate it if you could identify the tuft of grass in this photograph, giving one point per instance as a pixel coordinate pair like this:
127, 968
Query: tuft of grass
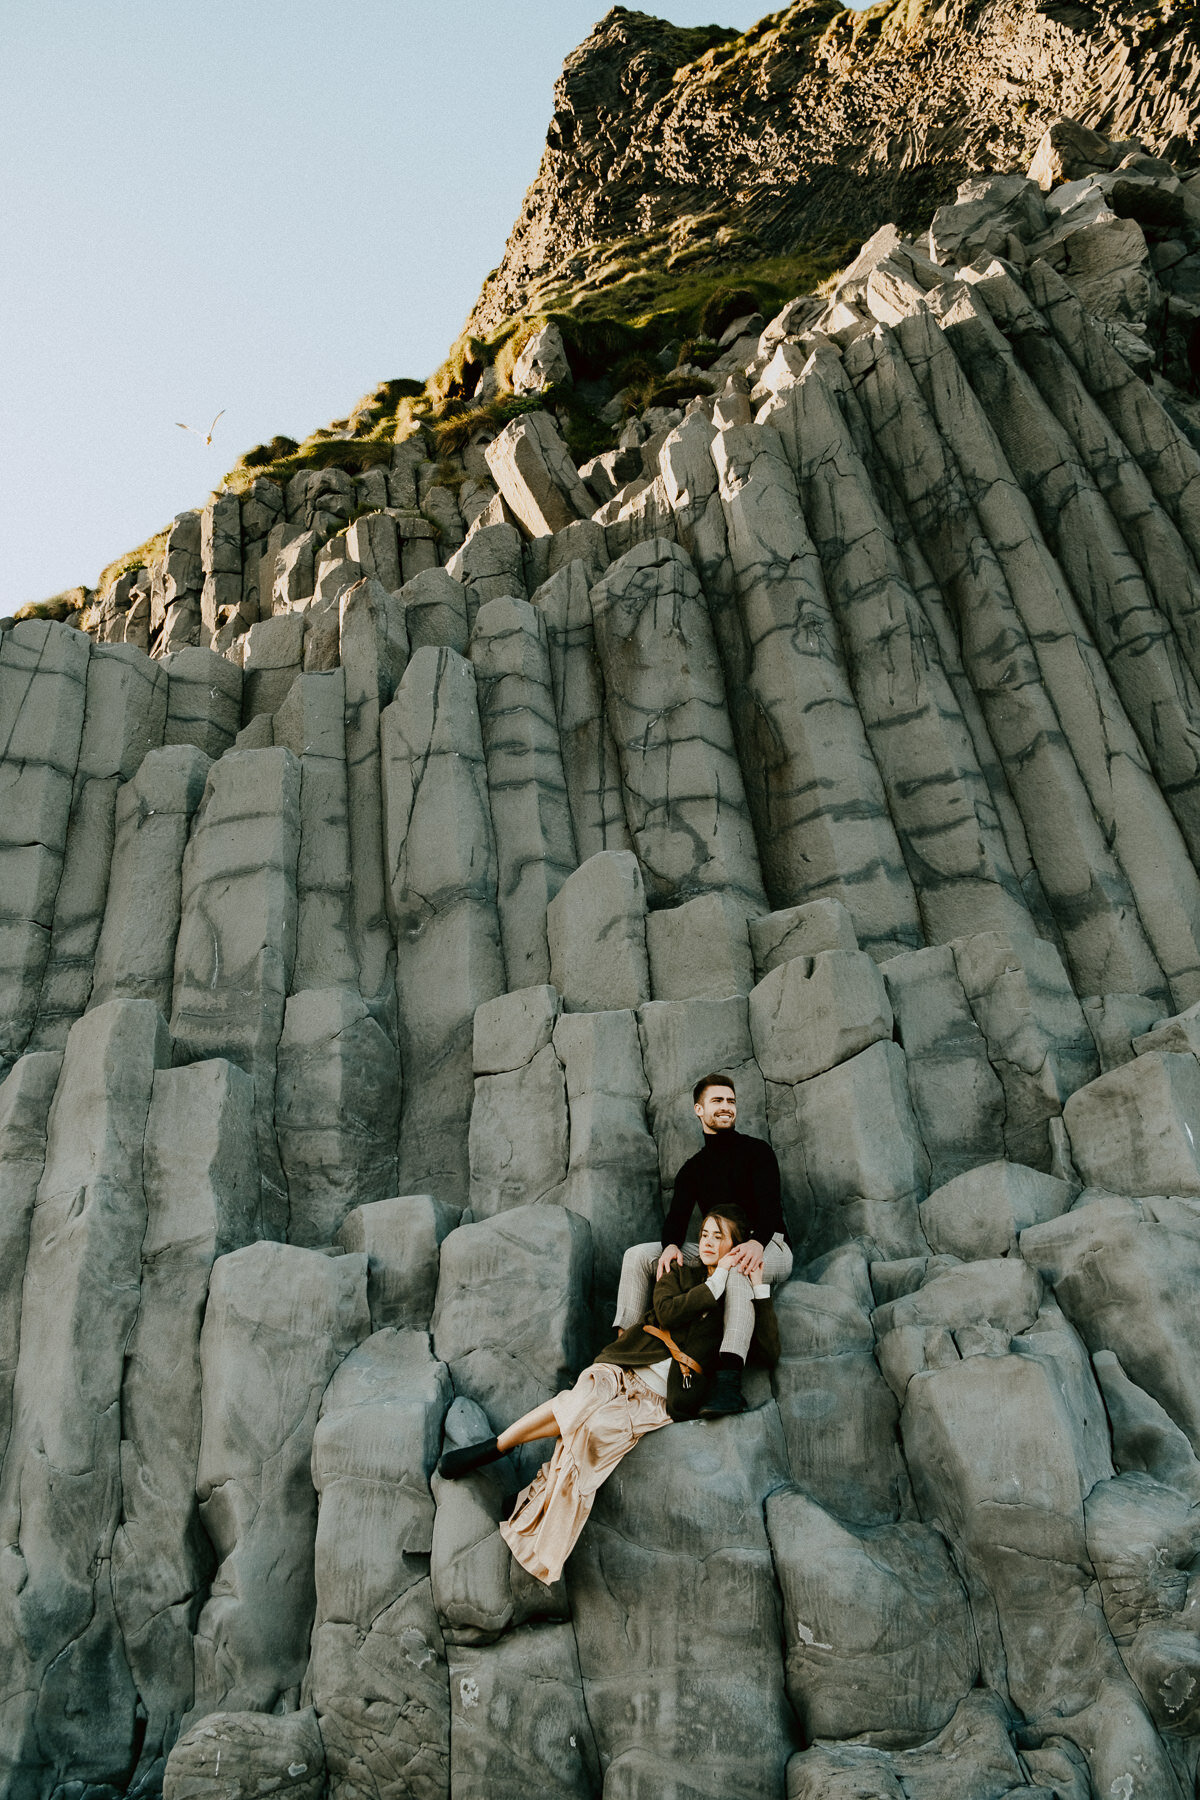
355, 455
723, 306
57, 608
141, 558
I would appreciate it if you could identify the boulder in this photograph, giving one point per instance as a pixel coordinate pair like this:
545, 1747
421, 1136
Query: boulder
509, 1320
262, 1754
435, 611
542, 362
597, 935
987, 211
1134, 1130
510, 1030
983, 1212
700, 950
800, 931
807, 1016
532, 468
400, 1238
879, 1633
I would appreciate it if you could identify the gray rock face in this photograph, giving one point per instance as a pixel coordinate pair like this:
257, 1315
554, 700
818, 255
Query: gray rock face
863, 1610
201, 1176
310, 724
532, 468
152, 819
535, 841
451, 894
634, 1581
279, 1321
375, 1649
373, 645
700, 950
71, 1706
596, 928
43, 676
123, 718
237, 935
261, 1753
400, 1238
612, 1168
665, 697
516, 1357
204, 700
337, 1110
25, 1096
440, 859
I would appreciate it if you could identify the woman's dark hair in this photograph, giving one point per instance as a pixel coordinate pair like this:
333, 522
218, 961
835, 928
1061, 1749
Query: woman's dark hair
714, 1080
734, 1217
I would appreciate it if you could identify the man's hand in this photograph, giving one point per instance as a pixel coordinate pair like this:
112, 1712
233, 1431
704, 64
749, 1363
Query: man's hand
748, 1258
670, 1256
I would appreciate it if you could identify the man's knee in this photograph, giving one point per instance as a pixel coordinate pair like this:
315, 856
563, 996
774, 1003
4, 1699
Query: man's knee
640, 1257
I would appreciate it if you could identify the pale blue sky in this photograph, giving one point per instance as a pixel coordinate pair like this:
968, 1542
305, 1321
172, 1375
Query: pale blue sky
262, 205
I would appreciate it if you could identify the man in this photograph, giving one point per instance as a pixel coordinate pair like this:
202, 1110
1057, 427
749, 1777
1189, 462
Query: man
732, 1170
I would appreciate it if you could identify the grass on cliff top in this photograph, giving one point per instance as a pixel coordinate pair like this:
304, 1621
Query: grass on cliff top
638, 299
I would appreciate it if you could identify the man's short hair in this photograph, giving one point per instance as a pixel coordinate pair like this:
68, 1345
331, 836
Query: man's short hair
714, 1080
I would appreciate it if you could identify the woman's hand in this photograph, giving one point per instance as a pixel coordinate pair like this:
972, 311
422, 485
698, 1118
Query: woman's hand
750, 1267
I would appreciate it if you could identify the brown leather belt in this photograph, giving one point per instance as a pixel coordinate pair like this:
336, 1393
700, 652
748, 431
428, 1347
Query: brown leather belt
687, 1363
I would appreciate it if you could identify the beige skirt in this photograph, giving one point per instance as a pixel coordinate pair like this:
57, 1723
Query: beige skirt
601, 1418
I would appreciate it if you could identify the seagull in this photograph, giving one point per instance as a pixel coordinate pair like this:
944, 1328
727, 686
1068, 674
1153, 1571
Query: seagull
195, 433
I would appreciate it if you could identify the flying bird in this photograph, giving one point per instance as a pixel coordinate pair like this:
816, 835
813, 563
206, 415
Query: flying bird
195, 433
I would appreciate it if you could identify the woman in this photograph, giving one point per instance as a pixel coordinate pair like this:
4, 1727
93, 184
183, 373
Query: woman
655, 1372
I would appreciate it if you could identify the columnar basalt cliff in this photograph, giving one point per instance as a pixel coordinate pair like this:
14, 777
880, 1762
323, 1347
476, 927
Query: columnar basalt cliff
377, 875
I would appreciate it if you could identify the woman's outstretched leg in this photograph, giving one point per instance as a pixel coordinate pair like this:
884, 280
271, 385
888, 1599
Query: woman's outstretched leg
540, 1423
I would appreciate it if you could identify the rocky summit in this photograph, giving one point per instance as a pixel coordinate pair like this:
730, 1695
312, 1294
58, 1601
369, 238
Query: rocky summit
386, 850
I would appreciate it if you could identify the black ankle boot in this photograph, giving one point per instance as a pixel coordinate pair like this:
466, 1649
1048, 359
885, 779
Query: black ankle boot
457, 1463
726, 1397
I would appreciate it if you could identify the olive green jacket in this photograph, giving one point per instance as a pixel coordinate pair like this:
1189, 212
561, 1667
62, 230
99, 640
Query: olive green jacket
684, 1306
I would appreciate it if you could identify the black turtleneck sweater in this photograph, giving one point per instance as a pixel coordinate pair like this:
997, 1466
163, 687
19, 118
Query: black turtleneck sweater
728, 1170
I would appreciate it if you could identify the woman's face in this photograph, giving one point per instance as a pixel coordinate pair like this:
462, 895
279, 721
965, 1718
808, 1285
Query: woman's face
716, 1240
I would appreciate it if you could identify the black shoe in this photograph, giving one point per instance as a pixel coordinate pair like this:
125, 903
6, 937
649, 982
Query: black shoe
457, 1463
726, 1397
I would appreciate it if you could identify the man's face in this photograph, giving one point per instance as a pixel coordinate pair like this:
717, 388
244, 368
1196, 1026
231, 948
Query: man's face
716, 1109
